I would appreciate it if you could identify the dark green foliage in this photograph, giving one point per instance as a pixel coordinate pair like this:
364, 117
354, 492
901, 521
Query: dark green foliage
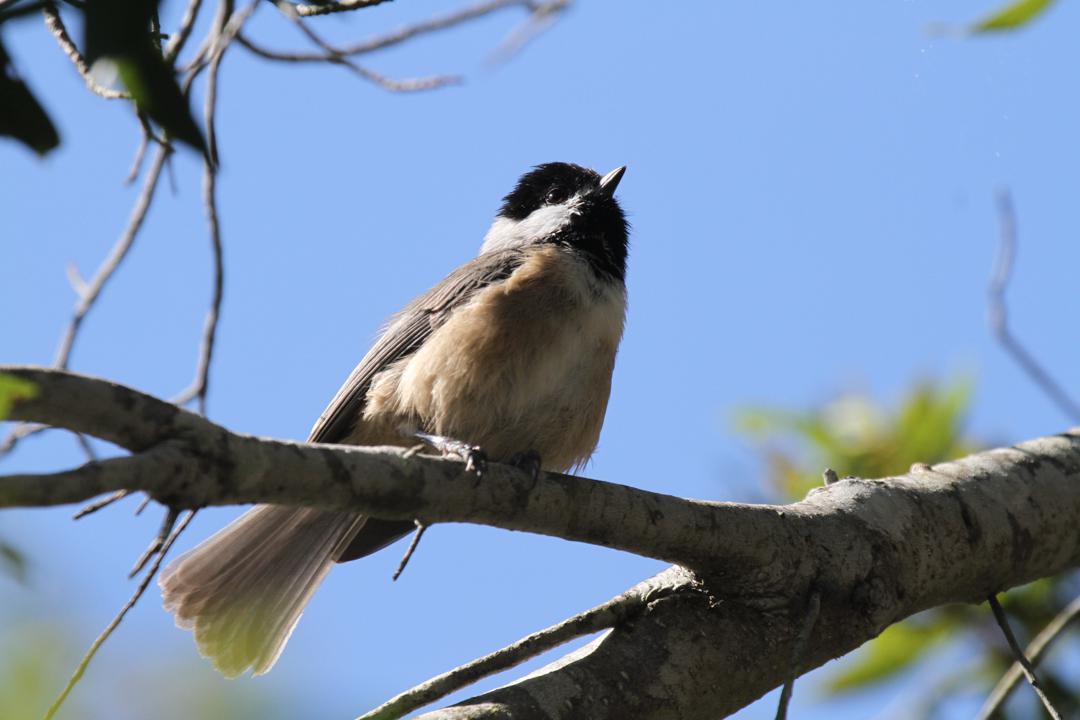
119, 31
21, 116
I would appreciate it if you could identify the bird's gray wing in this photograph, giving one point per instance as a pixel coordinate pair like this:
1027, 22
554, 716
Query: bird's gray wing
406, 332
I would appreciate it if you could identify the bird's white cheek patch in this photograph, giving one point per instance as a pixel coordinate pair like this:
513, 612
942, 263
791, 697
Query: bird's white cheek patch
505, 233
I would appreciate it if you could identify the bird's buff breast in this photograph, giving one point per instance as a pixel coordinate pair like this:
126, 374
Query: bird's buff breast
525, 365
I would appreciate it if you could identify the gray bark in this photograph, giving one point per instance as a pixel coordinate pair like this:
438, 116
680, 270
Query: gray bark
711, 634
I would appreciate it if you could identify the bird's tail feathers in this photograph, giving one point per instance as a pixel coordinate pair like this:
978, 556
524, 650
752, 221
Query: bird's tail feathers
243, 590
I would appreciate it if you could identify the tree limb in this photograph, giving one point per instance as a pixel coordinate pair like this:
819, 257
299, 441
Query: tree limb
722, 633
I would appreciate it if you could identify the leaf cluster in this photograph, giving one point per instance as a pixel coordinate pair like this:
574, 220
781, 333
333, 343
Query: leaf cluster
119, 35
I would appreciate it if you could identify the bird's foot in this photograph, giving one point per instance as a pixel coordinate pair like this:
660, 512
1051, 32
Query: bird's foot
474, 456
529, 461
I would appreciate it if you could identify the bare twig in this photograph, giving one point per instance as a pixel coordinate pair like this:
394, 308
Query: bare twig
109, 267
1018, 653
19, 432
158, 542
325, 8
420, 528
201, 384
137, 161
408, 32
543, 16
1035, 652
8, 11
93, 288
999, 312
332, 57
100, 504
108, 631
601, 617
87, 448
59, 31
813, 607
220, 44
180, 37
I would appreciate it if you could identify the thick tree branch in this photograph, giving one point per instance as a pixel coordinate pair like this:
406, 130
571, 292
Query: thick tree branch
876, 551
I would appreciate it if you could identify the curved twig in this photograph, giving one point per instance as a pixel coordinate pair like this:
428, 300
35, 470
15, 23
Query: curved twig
92, 289
602, 617
999, 313
813, 607
115, 623
59, 31
408, 32
1036, 651
1018, 652
332, 57
326, 8
180, 37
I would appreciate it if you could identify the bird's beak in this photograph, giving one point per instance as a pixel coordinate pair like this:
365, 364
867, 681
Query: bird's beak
609, 182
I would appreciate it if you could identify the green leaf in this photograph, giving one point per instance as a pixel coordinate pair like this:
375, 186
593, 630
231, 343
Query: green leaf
894, 650
22, 116
12, 390
1012, 16
119, 31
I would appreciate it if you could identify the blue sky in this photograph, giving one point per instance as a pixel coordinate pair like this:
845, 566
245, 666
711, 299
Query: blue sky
811, 193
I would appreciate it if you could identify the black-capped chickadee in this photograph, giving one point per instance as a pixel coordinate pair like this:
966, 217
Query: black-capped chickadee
512, 352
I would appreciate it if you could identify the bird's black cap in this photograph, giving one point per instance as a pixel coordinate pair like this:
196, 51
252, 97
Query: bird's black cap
598, 226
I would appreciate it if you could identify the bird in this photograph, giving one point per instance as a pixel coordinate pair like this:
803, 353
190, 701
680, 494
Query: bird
508, 359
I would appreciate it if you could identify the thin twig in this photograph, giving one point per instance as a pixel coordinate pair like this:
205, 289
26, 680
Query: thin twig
420, 529
330, 56
180, 37
999, 312
109, 267
1035, 652
813, 607
1018, 653
87, 448
542, 18
94, 287
137, 161
305, 10
56, 27
217, 52
408, 32
601, 617
228, 28
20, 432
158, 542
100, 504
140, 152
9, 12
201, 384
85, 662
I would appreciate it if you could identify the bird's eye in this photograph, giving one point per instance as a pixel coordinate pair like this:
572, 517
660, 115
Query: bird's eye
555, 196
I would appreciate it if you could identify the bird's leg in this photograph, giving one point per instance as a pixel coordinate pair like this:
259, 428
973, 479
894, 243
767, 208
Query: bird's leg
529, 461
474, 456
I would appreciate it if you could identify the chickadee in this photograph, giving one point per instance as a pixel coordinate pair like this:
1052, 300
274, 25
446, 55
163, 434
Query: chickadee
512, 352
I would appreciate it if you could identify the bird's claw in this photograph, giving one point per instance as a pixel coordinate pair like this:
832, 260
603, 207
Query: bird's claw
529, 461
474, 456
475, 459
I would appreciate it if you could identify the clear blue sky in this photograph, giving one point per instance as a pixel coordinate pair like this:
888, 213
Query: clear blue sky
811, 192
